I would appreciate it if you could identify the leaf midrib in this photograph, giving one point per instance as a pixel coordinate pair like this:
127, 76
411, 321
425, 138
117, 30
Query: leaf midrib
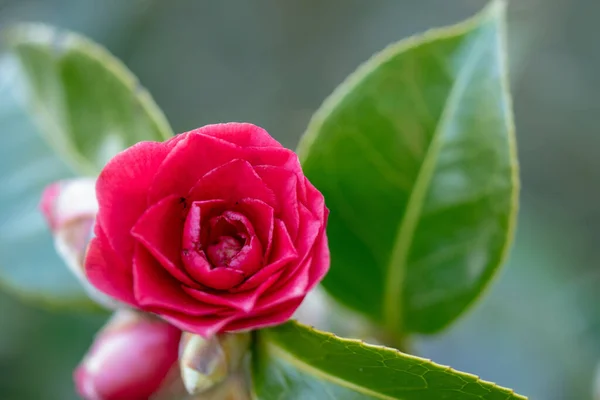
288, 357
392, 308
275, 349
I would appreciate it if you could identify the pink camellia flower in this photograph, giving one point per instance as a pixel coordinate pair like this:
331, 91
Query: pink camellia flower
215, 230
133, 358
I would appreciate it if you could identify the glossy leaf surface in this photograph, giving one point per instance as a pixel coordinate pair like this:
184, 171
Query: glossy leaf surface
293, 361
88, 107
88, 104
29, 264
415, 156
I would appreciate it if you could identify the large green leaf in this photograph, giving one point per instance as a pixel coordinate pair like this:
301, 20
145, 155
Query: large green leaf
293, 361
29, 266
415, 156
89, 105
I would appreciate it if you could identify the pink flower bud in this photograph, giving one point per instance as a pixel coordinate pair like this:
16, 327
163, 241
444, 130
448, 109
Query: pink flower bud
132, 358
67, 201
70, 208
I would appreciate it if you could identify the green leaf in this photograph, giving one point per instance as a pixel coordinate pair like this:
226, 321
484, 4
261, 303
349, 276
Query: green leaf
416, 158
29, 265
88, 107
88, 104
293, 361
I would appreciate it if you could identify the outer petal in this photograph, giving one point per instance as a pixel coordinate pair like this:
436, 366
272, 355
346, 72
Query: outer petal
122, 189
284, 184
240, 301
232, 182
241, 134
106, 271
194, 156
205, 326
236, 301
297, 281
310, 228
320, 261
264, 318
198, 153
315, 201
289, 287
278, 157
156, 289
301, 279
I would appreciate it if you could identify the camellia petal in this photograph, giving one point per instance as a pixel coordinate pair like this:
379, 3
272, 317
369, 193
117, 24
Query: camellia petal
155, 288
284, 252
278, 157
310, 227
105, 270
241, 134
194, 258
315, 201
320, 263
285, 185
265, 317
302, 279
262, 217
243, 301
289, 286
194, 156
122, 190
232, 182
205, 326
160, 231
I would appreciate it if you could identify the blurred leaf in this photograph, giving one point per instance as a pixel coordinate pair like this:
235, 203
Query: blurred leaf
538, 316
293, 361
415, 155
89, 105
29, 265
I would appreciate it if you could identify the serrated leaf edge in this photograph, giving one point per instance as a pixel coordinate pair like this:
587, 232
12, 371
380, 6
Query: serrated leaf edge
288, 357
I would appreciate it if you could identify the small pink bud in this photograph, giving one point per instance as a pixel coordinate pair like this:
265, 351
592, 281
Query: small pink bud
64, 202
70, 208
132, 358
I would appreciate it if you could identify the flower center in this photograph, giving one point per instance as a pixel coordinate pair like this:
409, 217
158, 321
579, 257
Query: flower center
219, 248
221, 252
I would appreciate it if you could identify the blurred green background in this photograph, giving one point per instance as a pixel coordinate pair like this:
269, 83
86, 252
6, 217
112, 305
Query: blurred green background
272, 63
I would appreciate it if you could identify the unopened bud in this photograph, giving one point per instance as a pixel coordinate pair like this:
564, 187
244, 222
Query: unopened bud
131, 359
205, 363
66, 201
235, 387
70, 208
